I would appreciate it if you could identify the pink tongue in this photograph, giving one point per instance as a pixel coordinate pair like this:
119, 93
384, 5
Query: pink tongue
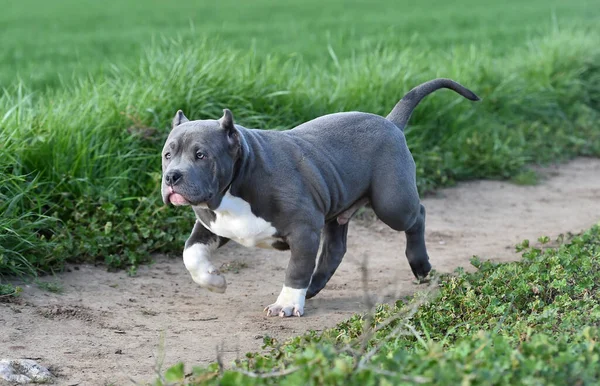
177, 199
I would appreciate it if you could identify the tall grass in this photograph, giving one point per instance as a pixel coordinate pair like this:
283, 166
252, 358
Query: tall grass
87, 156
25, 245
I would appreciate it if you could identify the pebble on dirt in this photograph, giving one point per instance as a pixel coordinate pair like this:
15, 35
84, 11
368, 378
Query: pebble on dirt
24, 371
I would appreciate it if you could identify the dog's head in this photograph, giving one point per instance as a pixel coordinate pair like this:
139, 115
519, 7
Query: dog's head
198, 160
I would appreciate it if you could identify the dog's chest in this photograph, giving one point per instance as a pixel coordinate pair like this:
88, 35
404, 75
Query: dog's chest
234, 220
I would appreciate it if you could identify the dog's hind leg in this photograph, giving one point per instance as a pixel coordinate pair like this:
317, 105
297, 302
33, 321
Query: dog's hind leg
334, 247
416, 251
395, 201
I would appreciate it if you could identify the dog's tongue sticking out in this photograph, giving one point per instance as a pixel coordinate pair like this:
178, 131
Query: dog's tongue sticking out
177, 199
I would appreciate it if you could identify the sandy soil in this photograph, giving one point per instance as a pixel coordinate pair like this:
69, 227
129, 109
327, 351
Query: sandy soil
108, 328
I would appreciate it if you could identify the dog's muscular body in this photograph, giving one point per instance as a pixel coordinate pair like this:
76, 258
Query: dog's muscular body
295, 189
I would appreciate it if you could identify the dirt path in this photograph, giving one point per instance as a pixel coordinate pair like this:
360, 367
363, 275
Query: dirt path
106, 327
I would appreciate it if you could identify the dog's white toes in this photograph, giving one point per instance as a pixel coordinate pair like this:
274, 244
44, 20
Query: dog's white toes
273, 309
290, 302
284, 311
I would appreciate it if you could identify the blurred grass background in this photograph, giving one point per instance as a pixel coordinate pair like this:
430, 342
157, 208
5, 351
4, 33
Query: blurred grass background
46, 42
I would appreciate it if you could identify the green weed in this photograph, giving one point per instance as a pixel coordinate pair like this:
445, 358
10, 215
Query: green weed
526, 177
50, 286
9, 291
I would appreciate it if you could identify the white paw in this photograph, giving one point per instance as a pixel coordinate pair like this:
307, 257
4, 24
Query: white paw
284, 310
212, 281
289, 303
196, 260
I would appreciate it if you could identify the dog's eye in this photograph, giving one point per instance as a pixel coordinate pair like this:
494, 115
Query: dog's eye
167, 155
200, 155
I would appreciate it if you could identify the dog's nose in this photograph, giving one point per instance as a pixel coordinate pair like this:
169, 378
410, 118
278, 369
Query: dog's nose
173, 177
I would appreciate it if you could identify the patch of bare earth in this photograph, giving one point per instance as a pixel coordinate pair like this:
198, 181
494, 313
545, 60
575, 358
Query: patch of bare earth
109, 328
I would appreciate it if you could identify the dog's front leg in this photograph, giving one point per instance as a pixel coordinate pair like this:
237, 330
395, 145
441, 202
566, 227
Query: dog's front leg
196, 257
304, 245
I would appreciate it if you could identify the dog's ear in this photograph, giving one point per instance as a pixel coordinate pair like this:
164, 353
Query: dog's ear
226, 123
179, 119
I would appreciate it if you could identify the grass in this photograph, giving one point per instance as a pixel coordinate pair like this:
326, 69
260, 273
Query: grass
50, 286
82, 163
8, 291
23, 249
531, 322
48, 43
526, 177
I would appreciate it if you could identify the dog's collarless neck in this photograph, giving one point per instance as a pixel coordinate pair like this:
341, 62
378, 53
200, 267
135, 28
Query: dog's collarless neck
237, 166
236, 172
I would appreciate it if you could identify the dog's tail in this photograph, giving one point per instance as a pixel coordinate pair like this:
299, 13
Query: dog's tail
403, 109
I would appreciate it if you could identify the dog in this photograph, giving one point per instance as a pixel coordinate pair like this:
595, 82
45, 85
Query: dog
296, 190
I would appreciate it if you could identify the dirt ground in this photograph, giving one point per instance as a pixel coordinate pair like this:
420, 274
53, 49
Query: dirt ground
108, 328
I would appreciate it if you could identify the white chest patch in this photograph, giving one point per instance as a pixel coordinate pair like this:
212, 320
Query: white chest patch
235, 220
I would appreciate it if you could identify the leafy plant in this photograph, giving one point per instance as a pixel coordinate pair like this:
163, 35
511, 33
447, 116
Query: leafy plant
9, 290
50, 286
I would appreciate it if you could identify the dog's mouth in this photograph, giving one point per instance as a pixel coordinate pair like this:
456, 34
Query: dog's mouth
176, 198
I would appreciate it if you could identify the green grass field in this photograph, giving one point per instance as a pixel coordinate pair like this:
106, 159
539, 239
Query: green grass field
43, 42
89, 90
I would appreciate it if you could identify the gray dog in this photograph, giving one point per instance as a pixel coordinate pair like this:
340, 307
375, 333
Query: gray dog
296, 189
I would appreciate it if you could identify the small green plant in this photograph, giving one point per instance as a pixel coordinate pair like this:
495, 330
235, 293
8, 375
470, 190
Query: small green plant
526, 177
9, 290
50, 286
175, 373
132, 271
521, 246
544, 239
